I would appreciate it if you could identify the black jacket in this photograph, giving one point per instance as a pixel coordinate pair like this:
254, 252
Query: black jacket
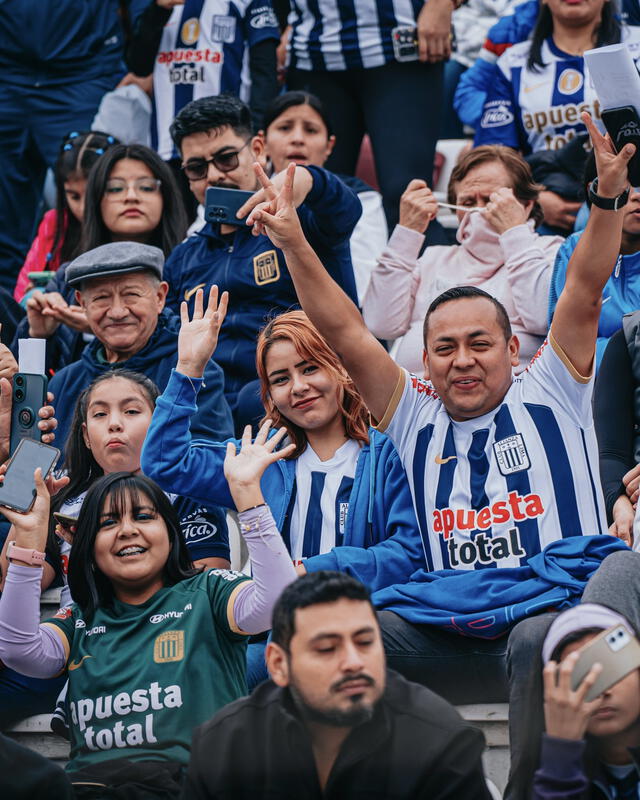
416, 746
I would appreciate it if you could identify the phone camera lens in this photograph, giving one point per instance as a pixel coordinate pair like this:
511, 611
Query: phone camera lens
19, 395
26, 417
19, 380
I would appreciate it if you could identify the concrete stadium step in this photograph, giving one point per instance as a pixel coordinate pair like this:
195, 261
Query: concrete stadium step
35, 733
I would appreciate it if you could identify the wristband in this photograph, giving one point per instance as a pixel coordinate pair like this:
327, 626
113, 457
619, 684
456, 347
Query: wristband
34, 557
607, 203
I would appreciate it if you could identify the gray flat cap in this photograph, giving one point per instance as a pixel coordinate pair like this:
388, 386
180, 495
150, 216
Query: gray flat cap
116, 258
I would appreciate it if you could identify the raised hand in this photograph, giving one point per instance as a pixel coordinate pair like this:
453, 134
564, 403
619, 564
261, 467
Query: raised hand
613, 177
566, 712
504, 210
244, 469
277, 216
32, 527
198, 337
418, 206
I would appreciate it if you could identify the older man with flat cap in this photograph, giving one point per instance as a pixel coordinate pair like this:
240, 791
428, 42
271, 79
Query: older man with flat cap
120, 287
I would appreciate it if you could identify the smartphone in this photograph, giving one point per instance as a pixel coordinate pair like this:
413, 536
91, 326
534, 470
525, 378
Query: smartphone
405, 43
65, 520
39, 279
623, 126
29, 395
616, 650
18, 489
222, 204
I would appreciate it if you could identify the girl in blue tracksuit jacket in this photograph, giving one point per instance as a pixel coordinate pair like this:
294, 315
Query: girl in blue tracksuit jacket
342, 500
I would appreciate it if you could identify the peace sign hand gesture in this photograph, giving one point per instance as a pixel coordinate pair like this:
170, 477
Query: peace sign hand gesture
277, 216
198, 337
613, 178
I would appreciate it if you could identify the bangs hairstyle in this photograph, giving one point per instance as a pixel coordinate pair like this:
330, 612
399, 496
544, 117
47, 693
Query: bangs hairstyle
295, 327
89, 587
524, 187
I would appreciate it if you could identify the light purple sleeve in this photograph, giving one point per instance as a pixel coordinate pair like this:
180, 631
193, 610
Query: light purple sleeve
272, 570
25, 645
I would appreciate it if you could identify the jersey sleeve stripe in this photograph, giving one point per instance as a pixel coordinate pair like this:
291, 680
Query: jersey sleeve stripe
393, 403
566, 361
62, 636
230, 609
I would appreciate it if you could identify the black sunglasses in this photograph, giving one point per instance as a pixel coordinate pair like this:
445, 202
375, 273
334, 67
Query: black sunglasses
197, 168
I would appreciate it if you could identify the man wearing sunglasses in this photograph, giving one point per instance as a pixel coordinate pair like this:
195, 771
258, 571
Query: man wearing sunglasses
213, 135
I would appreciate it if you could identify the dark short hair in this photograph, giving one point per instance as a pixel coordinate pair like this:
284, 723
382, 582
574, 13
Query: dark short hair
211, 114
89, 587
296, 98
460, 293
525, 189
311, 590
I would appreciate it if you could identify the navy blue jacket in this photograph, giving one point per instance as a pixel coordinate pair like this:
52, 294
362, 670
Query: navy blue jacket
382, 543
255, 274
155, 360
54, 42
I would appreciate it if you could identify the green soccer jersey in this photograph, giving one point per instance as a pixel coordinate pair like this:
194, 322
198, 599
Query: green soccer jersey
142, 677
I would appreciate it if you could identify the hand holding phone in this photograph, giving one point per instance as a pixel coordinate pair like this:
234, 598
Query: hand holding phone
29, 396
221, 205
566, 711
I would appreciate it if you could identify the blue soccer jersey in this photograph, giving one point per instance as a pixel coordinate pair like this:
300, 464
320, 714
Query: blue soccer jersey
495, 490
533, 110
204, 52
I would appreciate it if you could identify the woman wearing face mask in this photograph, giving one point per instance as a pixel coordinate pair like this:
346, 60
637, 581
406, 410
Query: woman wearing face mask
297, 128
131, 196
498, 251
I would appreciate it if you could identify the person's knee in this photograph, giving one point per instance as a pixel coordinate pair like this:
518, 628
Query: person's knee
525, 642
618, 575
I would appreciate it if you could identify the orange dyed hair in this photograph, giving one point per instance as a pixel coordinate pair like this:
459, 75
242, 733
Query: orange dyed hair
294, 326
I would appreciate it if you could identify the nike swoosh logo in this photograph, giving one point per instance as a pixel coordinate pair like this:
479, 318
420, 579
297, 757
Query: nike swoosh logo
190, 292
75, 665
440, 460
535, 86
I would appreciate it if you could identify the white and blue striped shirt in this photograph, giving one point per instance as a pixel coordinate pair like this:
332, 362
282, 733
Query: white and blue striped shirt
495, 490
329, 35
540, 109
204, 52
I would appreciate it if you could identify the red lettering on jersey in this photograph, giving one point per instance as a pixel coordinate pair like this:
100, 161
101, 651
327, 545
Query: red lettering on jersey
515, 507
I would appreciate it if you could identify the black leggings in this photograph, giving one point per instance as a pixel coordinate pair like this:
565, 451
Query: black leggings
399, 105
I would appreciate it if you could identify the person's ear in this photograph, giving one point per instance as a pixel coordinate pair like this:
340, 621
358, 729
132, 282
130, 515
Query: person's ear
425, 363
258, 150
277, 664
85, 436
161, 294
514, 350
331, 143
79, 299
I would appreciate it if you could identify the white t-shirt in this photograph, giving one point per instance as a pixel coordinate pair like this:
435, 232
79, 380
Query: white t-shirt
320, 509
495, 490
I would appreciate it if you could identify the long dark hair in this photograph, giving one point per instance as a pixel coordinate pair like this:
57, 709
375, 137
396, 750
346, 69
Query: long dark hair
173, 222
609, 32
78, 154
89, 587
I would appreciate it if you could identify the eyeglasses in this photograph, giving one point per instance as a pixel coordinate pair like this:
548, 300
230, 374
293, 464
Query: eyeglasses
117, 188
197, 168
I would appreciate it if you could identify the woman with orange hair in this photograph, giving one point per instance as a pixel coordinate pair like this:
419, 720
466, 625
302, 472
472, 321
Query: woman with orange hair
341, 499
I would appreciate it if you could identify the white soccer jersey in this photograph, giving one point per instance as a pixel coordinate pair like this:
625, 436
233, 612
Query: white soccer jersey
495, 490
204, 52
352, 34
323, 489
540, 110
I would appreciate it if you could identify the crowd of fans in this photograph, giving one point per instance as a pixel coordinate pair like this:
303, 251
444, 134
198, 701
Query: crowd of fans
395, 405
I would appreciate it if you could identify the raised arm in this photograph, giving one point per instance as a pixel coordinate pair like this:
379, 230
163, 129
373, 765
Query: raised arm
336, 317
575, 321
250, 608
